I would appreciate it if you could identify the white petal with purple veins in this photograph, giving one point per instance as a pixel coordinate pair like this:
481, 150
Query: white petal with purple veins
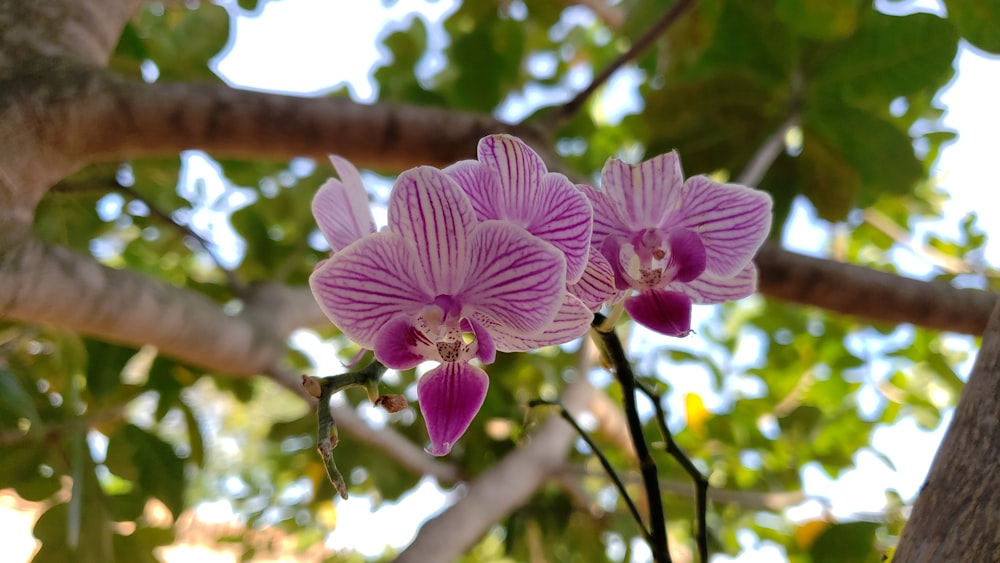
709, 288
516, 279
363, 286
341, 207
644, 193
571, 322
732, 221
429, 209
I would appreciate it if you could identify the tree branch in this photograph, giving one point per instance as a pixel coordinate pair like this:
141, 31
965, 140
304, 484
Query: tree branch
955, 518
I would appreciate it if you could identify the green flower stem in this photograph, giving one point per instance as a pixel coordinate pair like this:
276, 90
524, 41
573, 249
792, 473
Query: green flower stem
700, 481
568, 417
325, 387
615, 352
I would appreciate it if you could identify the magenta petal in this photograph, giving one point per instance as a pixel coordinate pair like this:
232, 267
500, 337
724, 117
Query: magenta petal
687, 254
428, 209
516, 279
666, 312
401, 345
597, 284
731, 220
612, 248
486, 350
450, 395
363, 286
481, 183
519, 168
341, 207
709, 288
571, 322
644, 193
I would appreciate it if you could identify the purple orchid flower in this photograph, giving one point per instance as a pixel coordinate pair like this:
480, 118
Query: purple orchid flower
441, 285
676, 242
510, 182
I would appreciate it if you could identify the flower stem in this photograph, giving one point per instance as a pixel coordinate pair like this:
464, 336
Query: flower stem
615, 352
568, 417
700, 481
325, 387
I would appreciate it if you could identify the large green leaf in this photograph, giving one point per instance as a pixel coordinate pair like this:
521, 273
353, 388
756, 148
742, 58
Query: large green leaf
889, 57
819, 19
977, 21
135, 454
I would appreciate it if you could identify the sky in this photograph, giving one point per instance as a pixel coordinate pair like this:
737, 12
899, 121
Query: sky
299, 46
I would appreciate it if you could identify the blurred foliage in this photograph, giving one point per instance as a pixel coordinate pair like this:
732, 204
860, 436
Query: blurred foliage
105, 433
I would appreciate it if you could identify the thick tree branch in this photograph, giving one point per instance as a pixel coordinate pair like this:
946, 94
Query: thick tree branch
955, 517
870, 294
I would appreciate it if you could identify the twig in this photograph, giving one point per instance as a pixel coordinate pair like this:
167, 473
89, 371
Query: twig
767, 153
664, 23
623, 373
700, 482
322, 388
234, 283
565, 414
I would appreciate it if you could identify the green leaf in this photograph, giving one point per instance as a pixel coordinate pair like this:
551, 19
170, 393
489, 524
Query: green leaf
977, 21
891, 56
819, 19
154, 465
15, 402
853, 542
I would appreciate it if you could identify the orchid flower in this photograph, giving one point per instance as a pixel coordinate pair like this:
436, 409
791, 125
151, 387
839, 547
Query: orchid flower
441, 285
509, 182
676, 242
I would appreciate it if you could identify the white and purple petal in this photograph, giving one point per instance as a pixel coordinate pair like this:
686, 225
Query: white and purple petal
597, 284
562, 215
428, 209
709, 288
572, 321
644, 193
481, 183
666, 312
732, 221
516, 279
363, 286
607, 220
450, 395
520, 169
341, 207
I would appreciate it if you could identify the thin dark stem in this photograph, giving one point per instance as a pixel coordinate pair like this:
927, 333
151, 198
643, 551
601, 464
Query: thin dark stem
647, 467
658, 28
568, 417
700, 481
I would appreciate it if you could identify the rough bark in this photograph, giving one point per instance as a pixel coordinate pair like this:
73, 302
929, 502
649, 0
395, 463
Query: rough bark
956, 516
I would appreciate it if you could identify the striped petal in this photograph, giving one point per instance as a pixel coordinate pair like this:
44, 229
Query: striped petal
571, 322
514, 278
519, 168
666, 312
644, 193
562, 215
341, 207
481, 183
607, 221
731, 220
709, 288
597, 284
450, 395
363, 286
429, 209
